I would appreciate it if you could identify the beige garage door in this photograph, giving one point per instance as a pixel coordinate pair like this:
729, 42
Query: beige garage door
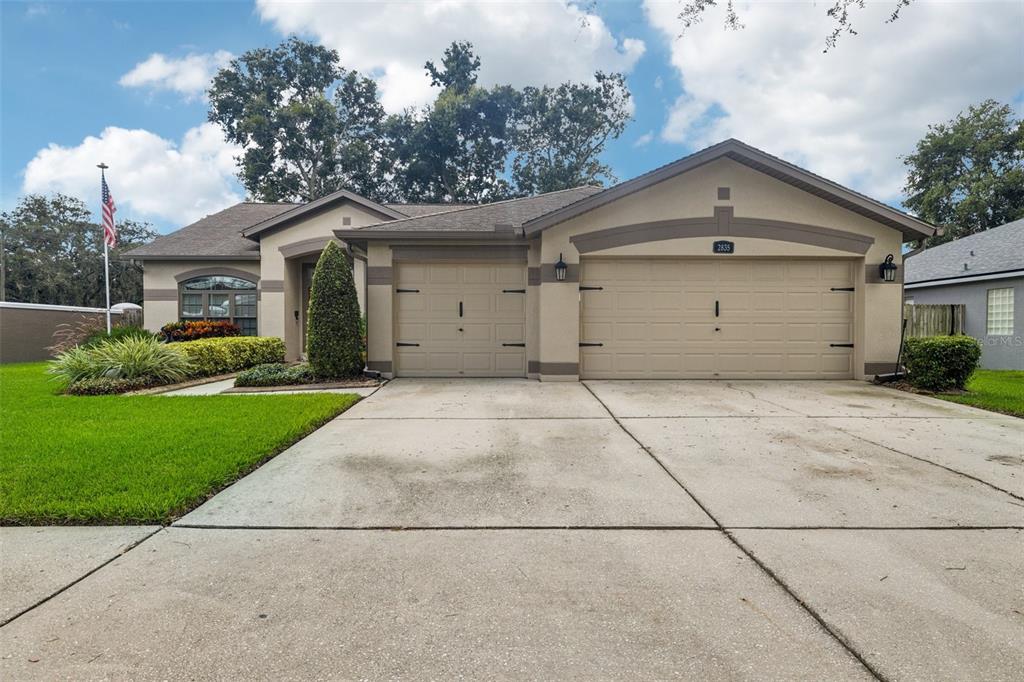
460, 320
716, 318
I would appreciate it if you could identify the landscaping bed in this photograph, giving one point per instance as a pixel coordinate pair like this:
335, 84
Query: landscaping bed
118, 459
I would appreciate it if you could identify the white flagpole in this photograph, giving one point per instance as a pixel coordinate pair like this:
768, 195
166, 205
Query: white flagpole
106, 256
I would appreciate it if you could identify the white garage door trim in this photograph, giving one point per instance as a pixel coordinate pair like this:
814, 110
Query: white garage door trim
460, 319
777, 318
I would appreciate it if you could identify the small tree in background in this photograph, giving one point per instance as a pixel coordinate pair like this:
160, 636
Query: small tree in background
333, 341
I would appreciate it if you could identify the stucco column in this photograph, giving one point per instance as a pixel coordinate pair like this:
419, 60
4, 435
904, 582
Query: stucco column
559, 307
292, 303
379, 315
879, 321
533, 310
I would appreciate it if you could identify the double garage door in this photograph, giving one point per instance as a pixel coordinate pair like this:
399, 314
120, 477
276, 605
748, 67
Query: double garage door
460, 320
716, 318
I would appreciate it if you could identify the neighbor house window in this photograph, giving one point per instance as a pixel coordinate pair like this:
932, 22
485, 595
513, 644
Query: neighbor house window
220, 297
1000, 312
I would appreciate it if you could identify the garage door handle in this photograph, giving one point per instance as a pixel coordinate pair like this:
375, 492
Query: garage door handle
716, 308
400, 343
841, 345
584, 344
460, 308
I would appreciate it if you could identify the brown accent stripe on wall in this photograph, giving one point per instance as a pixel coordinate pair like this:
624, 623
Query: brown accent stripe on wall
379, 365
533, 367
233, 272
560, 368
380, 274
547, 273
879, 367
272, 285
532, 276
160, 295
871, 275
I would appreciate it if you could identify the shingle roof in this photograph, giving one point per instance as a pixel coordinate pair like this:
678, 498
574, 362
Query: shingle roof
416, 210
999, 249
494, 217
216, 235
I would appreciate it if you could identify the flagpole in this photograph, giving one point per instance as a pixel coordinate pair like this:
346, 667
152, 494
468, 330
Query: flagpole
106, 255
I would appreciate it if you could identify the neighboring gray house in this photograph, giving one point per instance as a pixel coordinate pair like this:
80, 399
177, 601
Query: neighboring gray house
984, 272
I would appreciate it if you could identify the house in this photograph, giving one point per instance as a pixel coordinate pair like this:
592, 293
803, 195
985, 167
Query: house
985, 273
729, 263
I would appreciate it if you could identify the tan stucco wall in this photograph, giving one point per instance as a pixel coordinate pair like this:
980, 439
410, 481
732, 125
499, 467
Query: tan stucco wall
380, 313
752, 195
160, 288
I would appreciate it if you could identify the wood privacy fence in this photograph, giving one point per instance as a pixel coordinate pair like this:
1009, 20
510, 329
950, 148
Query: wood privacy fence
933, 319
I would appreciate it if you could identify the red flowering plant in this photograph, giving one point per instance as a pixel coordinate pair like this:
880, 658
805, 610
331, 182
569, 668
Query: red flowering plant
190, 330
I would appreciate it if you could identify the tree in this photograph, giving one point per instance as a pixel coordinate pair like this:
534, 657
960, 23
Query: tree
561, 132
53, 253
968, 174
334, 342
456, 150
299, 143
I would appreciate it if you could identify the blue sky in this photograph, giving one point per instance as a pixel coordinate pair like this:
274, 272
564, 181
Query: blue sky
117, 80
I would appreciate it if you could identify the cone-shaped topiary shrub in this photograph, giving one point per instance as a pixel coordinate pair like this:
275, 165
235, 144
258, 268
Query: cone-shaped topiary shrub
333, 340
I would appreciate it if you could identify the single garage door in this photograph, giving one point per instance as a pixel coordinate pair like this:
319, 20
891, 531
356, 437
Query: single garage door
716, 318
460, 320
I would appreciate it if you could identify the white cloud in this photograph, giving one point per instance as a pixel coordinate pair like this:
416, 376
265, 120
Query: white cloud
150, 177
522, 43
850, 113
189, 76
644, 139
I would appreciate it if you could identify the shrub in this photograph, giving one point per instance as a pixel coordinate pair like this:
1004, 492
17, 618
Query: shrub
224, 355
104, 386
276, 375
127, 358
198, 329
333, 340
941, 363
100, 335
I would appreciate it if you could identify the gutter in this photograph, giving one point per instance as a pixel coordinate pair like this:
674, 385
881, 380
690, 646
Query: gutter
964, 279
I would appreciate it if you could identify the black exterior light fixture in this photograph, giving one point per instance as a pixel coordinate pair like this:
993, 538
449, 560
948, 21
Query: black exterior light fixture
560, 269
887, 270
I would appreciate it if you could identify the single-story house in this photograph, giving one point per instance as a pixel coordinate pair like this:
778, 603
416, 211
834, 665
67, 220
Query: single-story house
729, 263
985, 273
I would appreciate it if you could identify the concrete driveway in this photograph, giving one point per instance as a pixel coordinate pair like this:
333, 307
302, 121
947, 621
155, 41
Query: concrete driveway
719, 530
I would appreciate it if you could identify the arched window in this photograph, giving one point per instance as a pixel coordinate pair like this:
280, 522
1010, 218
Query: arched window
220, 297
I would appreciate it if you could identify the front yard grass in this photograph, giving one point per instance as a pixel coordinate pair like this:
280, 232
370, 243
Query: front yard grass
995, 390
134, 459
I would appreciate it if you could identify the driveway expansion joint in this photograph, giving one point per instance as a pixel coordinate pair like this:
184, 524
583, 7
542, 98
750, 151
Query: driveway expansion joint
836, 635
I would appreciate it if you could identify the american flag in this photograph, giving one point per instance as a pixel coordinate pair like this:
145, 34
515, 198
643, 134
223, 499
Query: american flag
109, 233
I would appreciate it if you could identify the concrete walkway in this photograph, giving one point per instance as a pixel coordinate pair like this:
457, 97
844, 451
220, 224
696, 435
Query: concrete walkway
711, 530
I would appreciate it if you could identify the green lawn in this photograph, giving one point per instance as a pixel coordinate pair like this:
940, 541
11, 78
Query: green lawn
141, 459
995, 390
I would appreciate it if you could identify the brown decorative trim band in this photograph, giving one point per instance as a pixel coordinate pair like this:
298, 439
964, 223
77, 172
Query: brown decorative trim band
547, 273
532, 276
723, 223
160, 295
533, 366
499, 253
272, 286
380, 274
879, 367
304, 247
232, 272
379, 365
871, 275
560, 368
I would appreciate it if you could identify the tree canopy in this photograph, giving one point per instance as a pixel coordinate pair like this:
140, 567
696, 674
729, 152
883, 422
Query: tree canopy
967, 175
310, 127
53, 253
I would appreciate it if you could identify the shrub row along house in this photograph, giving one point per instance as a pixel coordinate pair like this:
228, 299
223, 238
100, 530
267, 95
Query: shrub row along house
729, 263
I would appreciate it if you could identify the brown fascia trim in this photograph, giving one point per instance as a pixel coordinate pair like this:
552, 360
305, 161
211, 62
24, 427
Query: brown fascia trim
505, 253
201, 272
318, 206
753, 158
129, 257
358, 235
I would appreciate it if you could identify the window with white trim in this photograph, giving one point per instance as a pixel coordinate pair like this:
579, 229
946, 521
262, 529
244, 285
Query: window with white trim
1000, 312
220, 297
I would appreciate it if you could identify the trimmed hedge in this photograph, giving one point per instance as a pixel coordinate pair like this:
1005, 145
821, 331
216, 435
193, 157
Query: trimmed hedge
190, 330
276, 375
941, 363
230, 354
334, 342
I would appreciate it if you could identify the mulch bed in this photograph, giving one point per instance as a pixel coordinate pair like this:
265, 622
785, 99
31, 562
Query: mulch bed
908, 388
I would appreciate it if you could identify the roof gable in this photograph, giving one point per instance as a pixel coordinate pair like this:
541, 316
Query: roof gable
911, 227
317, 206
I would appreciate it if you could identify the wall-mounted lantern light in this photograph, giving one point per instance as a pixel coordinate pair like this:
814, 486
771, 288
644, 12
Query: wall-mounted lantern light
887, 270
560, 269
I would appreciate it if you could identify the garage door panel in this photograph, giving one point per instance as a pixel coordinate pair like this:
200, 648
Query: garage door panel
656, 318
466, 345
